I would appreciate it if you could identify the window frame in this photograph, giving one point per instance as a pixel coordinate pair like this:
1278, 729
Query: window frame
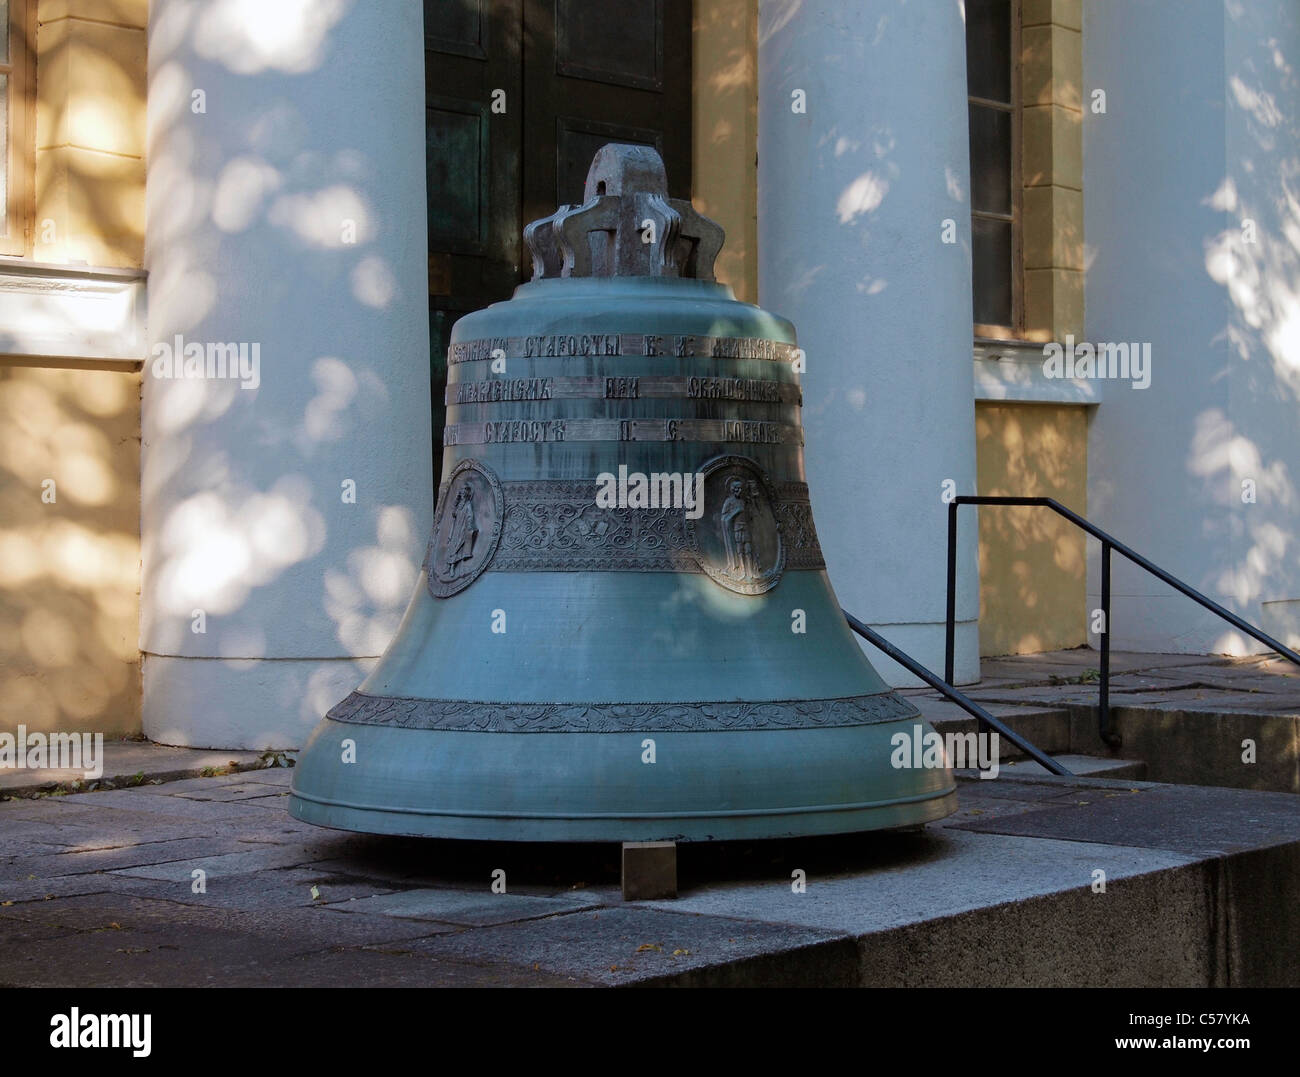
20, 162
1016, 330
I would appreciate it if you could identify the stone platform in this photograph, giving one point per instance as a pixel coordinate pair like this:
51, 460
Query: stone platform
1100, 879
1200, 888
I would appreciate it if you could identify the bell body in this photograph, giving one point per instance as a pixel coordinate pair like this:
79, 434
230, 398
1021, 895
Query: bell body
624, 630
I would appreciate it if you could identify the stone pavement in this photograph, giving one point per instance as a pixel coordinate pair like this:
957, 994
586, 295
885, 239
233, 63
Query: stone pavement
1200, 887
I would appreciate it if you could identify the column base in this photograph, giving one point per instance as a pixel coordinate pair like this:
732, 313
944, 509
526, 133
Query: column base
249, 703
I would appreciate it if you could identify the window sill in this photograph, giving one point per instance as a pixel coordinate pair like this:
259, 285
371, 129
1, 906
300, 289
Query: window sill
89, 314
1012, 371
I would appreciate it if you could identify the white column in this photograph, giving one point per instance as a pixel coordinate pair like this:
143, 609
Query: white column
286, 212
853, 194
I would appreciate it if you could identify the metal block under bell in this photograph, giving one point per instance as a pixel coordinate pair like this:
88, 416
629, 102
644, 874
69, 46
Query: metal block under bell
623, 630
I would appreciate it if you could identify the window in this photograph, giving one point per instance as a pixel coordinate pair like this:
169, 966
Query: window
17, 102
993, 103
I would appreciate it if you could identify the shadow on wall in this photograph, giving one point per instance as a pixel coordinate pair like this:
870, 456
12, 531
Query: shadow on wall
1033, 564
90, 119
69, 549
725, 103
1248, 468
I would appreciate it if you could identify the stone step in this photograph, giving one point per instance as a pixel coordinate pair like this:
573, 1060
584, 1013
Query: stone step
1047, 728
1080, 766
131, 762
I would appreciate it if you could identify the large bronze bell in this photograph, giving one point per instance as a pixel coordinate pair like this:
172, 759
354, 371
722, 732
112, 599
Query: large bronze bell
623, 630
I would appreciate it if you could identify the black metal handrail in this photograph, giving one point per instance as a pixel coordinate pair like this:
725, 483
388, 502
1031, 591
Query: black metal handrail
946, 689
1108, 543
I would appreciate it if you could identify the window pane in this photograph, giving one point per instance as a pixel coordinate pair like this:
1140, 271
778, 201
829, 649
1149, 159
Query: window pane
990, 160
991, 271
988, 49
4, 31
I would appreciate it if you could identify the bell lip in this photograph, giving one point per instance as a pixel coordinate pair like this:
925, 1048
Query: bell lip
734, 785
742, 825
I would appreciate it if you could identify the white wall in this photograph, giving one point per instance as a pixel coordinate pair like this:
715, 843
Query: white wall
313, 117
852, 197
1199, 133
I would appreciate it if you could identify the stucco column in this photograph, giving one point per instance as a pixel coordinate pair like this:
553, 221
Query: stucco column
862, 157
285, 503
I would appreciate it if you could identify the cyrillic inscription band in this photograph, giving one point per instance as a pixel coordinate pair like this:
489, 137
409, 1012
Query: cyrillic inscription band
737, 431
566, 345
669, 387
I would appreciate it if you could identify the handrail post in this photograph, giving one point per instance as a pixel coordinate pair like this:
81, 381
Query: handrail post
1108, 735
950, 625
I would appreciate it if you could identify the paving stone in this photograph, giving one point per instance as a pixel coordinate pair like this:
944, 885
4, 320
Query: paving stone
281, 776
1084, 766
277, 802
1184, 819
43, 832
299, 929
142, 942
468, 908
275, 888
15, 848
163, 956
1071, 662
972, 787
623, 946
948, 871
129, 814
70, 862
239, 791
35, 890
221, 865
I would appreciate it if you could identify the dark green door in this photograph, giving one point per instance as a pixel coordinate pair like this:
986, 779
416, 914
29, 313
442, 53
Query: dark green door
518, 96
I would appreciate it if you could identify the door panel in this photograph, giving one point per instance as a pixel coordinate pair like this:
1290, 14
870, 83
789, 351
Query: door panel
472, 161
596, 72
575, 74
622, 45
458, 151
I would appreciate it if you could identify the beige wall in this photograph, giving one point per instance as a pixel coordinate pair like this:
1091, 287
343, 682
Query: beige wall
70, 566
725, 130
90, 101
1032, 562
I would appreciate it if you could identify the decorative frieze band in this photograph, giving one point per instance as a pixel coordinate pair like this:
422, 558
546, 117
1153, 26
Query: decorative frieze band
554, 525
729, 521
455, 715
